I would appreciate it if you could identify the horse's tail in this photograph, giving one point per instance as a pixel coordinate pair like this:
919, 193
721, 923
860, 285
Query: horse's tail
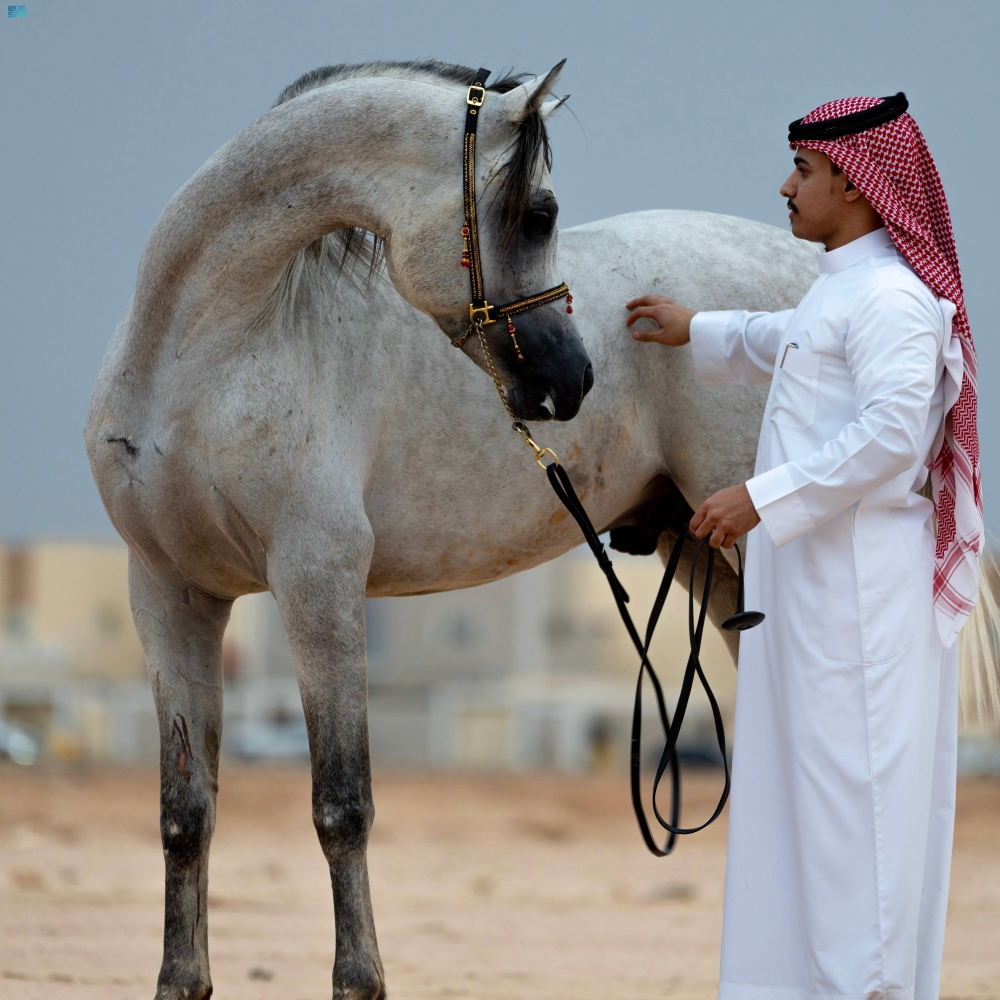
979, 651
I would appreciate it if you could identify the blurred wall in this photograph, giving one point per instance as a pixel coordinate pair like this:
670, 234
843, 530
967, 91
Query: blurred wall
535, 671
72, 595
69, 653
78, 596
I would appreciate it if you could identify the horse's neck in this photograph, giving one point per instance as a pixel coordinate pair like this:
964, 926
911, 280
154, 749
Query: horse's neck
344, 155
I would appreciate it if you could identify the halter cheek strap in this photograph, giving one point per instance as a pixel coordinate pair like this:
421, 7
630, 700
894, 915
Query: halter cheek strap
481, 312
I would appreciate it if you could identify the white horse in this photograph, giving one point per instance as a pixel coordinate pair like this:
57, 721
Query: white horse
267, 419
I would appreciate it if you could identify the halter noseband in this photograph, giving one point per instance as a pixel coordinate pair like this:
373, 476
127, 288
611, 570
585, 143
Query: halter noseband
481, 312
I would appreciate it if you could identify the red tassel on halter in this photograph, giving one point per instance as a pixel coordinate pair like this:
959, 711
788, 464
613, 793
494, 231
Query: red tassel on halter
511, 329
569, 303
465, 247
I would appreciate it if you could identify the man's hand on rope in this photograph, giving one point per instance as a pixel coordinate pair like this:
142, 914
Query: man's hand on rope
726, 516
673, 321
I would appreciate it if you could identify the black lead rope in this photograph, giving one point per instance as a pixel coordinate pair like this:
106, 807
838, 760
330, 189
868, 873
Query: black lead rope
563, 487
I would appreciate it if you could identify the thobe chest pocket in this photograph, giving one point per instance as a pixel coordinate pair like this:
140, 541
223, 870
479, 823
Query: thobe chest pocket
796, 388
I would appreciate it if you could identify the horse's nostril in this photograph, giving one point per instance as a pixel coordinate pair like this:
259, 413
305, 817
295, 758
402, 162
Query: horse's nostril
588, 379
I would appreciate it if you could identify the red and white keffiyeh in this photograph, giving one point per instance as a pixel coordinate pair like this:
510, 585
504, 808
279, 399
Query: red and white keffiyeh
892, 167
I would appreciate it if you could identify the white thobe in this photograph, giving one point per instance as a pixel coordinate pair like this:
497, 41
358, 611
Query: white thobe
844, 750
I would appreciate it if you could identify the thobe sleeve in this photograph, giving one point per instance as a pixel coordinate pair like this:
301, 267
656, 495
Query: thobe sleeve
892, 348
737, 347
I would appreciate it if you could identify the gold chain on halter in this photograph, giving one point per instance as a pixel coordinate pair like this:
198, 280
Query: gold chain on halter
518, 425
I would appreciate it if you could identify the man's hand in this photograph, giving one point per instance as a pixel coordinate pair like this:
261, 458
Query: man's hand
726, 516
673, 321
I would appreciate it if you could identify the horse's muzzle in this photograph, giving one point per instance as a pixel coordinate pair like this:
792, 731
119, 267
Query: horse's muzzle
551, 398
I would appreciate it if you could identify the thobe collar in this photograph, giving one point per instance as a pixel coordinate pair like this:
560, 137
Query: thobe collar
831, 261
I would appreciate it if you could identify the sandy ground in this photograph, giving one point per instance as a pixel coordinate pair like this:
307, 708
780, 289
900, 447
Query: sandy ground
483, 888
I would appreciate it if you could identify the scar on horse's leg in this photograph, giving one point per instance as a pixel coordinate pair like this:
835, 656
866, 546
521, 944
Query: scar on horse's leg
181, 634
323, 611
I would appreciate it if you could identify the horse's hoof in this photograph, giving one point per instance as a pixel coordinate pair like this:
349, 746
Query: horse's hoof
358, 981
183, 991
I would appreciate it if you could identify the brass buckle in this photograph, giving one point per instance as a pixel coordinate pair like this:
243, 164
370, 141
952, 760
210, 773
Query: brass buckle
540, 457
476, 101
540, 453
482, 311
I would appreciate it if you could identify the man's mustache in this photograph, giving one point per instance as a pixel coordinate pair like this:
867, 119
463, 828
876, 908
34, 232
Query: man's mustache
791, 206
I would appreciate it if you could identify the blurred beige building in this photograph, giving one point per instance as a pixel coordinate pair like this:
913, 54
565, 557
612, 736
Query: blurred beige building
74, 595
554, 676
67, 644
535, 671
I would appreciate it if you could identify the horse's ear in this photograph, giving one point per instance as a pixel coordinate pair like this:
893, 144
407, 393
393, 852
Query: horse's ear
549, 108
531, 97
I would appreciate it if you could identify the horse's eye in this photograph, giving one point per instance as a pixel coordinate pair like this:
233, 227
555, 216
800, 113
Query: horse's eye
537, 224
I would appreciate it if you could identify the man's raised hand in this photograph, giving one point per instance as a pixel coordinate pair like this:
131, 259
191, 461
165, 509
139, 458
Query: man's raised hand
673, 321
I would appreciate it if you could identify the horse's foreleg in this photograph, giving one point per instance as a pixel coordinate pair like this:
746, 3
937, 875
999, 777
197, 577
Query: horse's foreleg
322, 606
181, 634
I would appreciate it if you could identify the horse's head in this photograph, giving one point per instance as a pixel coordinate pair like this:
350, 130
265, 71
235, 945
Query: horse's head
516, 212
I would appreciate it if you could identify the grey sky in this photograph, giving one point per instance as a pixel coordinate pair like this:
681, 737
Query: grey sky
108, 107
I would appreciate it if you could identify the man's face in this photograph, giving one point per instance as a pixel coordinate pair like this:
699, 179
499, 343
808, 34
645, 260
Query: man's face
818, 199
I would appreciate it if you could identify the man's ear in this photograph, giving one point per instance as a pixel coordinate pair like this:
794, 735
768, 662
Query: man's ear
851, 193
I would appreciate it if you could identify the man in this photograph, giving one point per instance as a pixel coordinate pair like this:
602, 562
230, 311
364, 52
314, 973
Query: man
846, 711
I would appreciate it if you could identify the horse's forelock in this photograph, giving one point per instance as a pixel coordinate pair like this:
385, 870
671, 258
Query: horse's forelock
515, 176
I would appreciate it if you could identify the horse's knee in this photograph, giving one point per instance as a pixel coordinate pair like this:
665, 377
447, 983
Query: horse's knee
342, 822
186, 823
187, 789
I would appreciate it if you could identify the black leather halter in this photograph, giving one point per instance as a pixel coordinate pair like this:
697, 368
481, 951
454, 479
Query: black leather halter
480, 311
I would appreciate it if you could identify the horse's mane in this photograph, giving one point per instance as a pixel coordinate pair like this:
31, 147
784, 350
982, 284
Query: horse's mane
358, 245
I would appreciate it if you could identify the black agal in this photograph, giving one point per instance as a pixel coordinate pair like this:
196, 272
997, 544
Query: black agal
858, 121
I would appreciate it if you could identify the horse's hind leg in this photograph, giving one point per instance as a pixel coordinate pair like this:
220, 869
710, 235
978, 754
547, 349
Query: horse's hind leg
321, 598
181, 634
722, 600
654, 524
